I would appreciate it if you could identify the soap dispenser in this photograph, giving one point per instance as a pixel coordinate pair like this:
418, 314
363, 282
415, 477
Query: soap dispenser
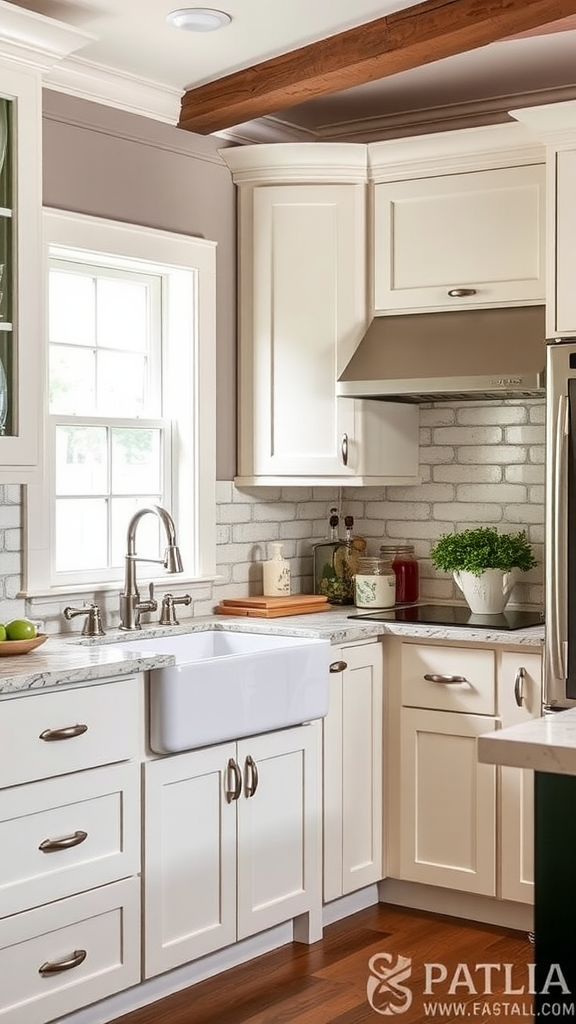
276, 574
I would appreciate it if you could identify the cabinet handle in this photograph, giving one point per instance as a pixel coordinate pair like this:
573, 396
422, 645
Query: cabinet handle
345, 449
251, 769
461, 293
233, 781
432, 677
66, 733
52, 845
66, 964
519, 687
338, 666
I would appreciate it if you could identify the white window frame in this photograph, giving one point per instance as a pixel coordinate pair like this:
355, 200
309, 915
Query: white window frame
188, 265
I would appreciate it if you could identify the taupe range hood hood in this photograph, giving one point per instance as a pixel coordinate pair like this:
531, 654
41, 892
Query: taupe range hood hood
465, 354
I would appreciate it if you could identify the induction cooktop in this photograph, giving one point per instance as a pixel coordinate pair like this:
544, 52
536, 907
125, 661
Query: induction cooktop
453, 615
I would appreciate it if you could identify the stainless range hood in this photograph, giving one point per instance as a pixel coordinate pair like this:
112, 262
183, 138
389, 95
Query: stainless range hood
465, 354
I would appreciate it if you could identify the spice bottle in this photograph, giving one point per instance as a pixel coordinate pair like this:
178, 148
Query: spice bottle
276, 574
406, 570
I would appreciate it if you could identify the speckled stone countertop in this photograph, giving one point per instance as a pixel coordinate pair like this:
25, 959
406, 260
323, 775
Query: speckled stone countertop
67, 659
545, 744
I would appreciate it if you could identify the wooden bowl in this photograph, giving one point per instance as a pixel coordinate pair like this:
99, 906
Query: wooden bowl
10, 647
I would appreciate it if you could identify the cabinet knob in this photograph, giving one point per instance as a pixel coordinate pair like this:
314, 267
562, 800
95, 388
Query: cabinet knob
338, 666
433, 677
68, 732
66, 964
461, 293
519, 687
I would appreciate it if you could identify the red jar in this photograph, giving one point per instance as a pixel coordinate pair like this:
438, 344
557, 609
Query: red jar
406, 570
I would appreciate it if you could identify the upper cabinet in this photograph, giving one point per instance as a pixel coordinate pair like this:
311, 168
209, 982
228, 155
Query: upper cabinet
555, 126
302, 311
458, 221
30, 44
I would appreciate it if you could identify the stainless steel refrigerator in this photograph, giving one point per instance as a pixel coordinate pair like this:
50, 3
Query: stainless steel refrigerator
560, 648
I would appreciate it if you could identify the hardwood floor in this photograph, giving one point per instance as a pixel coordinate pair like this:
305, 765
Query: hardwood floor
326, 983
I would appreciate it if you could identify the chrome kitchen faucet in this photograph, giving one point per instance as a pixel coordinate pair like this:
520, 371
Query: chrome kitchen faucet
131, 606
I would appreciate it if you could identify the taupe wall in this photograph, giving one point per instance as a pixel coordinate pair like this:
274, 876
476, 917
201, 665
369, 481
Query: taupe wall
107, 163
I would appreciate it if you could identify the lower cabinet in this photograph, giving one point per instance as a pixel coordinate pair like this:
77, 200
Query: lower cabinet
461, 824
232, 843
353, 766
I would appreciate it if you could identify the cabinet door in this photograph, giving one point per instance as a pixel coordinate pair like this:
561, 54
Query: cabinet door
481, 230
278, 828
299, 326
561, 307
190, 858
353, 827
22, 327
519, 699
448, 810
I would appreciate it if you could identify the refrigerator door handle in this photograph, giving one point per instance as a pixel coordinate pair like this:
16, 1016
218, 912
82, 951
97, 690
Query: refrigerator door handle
555, 643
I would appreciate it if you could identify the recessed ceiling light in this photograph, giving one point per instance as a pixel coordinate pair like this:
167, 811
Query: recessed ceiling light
198, 19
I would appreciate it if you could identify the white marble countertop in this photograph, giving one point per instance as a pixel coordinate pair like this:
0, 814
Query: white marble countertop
68, 659
545, 744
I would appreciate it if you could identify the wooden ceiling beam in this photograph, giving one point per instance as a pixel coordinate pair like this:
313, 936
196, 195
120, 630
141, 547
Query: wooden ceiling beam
407, 39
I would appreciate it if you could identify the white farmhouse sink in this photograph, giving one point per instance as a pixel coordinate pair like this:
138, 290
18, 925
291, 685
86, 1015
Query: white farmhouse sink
226, 684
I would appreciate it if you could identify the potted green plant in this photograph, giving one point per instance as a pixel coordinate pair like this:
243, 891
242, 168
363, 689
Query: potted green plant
485, 564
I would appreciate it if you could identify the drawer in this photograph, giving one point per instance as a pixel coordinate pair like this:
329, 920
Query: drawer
465, 678
63, 836
91, 726
92, 942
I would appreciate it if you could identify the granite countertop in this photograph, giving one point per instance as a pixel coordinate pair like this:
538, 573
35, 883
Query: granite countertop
67, 659
545, 744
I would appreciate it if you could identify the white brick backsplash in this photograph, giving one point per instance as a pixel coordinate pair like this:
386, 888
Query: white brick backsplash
468, 512
527, 474
525, 513
436, 455
495, 414
437, 416
502, 453
457, 473
467, 435
427, 492
527, 435
491, 493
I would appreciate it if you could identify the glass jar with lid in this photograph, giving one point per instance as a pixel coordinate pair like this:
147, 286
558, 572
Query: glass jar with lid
374, 583
406, 570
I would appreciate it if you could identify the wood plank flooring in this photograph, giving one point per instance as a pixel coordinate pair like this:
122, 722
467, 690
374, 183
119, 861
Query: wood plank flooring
326, 983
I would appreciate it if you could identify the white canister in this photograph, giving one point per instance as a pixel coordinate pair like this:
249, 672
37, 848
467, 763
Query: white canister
374, 584
276, 574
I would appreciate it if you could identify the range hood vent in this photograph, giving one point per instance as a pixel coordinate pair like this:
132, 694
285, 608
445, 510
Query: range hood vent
465, 354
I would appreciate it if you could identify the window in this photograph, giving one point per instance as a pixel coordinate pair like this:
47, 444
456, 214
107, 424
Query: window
130, 402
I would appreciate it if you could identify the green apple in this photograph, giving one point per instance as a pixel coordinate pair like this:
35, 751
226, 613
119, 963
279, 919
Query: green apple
2, 631
20, 629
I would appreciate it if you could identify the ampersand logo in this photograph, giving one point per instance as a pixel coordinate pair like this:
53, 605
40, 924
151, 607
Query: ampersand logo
386, 993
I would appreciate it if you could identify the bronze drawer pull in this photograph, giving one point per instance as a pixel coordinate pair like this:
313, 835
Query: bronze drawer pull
66, 733
461, 293
432, 677
338, 666
519, 687
251, 769
67, 964
233, 781
52, 845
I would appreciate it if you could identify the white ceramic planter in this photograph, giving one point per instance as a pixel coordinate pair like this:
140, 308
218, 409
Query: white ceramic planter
488, 593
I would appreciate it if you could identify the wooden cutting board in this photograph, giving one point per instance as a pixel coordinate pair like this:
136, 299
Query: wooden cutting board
273, 607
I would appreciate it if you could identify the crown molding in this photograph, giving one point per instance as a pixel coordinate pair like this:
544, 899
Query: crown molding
99, 84
36, 41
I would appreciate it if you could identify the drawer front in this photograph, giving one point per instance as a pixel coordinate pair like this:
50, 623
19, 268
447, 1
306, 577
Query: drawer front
449, 679
67, 835
63, 731
96, 934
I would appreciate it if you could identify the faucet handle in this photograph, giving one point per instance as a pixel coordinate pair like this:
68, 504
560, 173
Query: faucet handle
168, 613
93, 621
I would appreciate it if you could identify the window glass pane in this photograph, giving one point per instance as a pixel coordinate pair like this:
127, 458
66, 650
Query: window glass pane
71, 309
121, 384
81, 533
72, 388
81, 460
149, 543
122, 314
136, 465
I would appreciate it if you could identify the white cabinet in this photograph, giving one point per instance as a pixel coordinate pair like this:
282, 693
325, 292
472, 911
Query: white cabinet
353, 768
459, 825
460, 240
70, 836
302, 313
232, 843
